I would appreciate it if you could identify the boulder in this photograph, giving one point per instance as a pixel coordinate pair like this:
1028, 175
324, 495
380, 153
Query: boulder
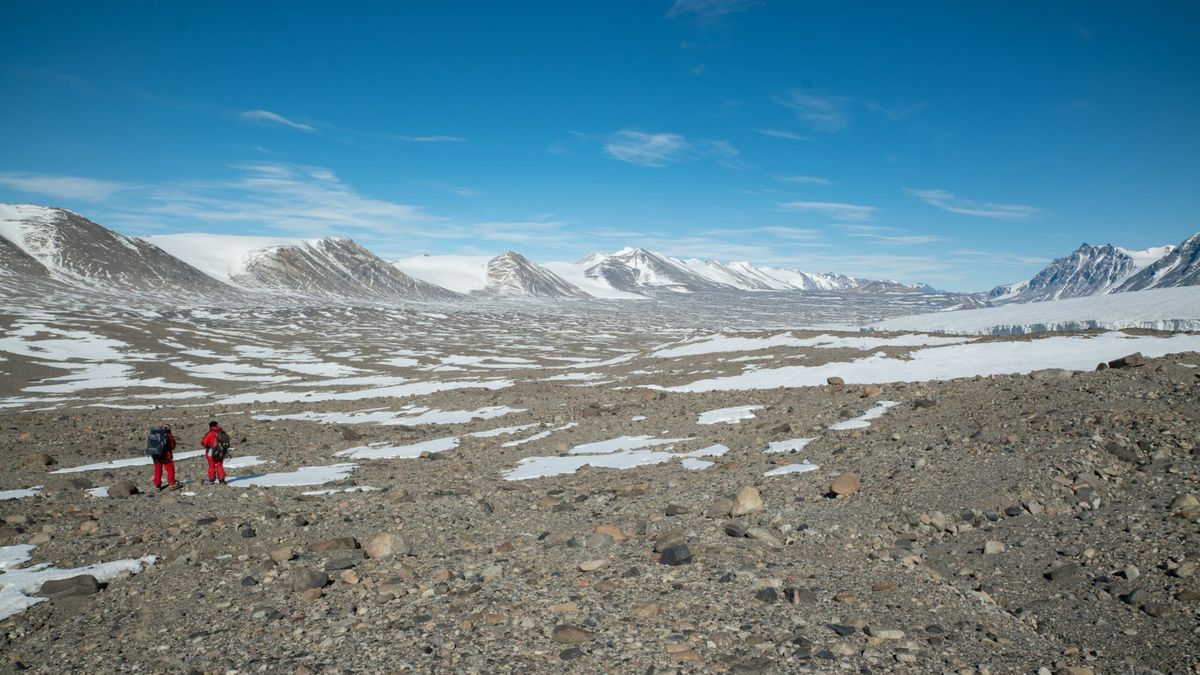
1133, 360
570, 635
71, 587
835, 381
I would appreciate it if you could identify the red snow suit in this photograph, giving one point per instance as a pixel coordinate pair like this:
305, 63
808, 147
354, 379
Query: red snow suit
166, 461
216, 470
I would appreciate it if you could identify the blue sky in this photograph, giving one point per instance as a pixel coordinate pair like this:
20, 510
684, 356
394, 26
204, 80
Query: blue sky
959, 144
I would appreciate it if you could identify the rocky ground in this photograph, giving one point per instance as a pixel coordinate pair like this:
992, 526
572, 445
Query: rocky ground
1002, 524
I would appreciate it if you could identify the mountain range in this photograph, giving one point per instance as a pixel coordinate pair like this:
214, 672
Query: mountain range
46, 248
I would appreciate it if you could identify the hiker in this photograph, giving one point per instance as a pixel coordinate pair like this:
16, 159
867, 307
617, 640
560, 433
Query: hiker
160, 446
216, 449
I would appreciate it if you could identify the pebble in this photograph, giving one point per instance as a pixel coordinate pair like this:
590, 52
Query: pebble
592, 565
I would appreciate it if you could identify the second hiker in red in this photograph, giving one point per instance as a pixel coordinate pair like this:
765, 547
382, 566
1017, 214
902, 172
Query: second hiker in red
216, 447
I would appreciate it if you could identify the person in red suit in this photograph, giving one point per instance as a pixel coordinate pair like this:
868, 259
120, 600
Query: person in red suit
166, 462
215, 453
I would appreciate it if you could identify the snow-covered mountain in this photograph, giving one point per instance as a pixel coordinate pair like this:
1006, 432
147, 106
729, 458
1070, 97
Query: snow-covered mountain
334, 268
1089, 270
1179, 267
51, 244
636, 270
511, 273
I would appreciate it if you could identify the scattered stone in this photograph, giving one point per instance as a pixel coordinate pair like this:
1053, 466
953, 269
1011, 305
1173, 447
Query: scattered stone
1064, 572
675, 510
735, 530
768, 594
747, 501
993, 547
870, 391
37, 459
570, 635
845, 485
1156, 609
764, 535
924, 403
282, 554
719, 508
835, 381
613, 531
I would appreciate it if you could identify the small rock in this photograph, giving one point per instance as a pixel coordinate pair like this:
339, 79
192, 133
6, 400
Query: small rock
870, 391
719, 508
675, 510
885, 632
1156, 609
282, 554
835, 381
122, 488
924, 403
40, 459
768, 594
845, 485
676, 555
387, 545
764, 535
611, 530
593, 565
993, 547
570, 635
306, 579
335, 544
734, 530
747, 501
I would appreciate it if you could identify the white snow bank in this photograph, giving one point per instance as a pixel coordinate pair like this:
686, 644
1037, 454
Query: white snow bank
124, 463
1081, 352
595, 287
220, 256
803, 467
728, 415
538, 436
622, 443
305, 475
1173, 309
502, 431
17, 583
384, 451
389, 418
459, 273
864, 420
397, 391
721, 343
20, 493
539, 467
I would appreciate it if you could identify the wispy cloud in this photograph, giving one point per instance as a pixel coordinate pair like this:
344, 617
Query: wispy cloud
803, 180
777, 133
898, 111
947, 201
707, 11
890, 235
657, 150
647, 149
447, 187
836, 210
822, 113
62, 187
426, 139
268, 117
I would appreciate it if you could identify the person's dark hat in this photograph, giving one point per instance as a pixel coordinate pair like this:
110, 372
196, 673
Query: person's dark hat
213, 424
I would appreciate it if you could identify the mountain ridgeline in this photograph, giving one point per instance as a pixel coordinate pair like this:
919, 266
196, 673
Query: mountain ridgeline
44, 249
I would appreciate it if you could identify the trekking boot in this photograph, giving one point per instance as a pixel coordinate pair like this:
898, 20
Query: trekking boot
158, 487
223, 482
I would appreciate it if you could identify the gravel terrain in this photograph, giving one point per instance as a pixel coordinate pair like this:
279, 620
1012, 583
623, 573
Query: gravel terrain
1042, 522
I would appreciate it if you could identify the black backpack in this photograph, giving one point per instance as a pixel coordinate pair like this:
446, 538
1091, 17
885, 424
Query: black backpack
220, 452
158, 442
